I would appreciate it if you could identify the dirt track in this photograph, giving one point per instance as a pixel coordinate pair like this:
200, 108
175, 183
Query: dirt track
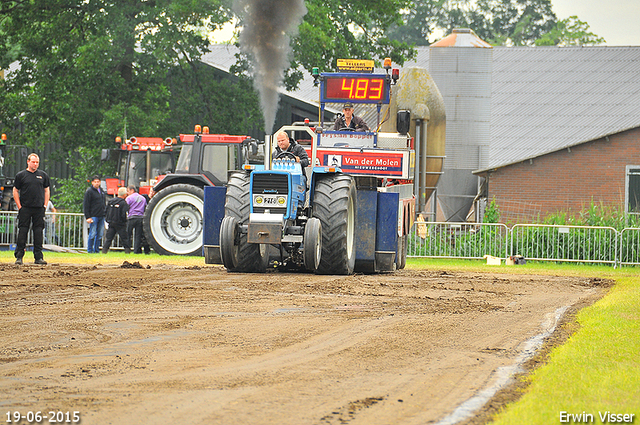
167, 344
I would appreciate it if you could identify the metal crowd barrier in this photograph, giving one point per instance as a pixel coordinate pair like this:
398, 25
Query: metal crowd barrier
458, 240
629, 246
584, 244
66, 230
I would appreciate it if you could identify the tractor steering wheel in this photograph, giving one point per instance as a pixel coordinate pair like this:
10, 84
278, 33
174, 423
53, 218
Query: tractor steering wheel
286, 154
347, 129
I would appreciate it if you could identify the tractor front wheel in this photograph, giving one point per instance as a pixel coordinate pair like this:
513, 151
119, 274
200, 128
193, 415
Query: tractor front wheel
312, 244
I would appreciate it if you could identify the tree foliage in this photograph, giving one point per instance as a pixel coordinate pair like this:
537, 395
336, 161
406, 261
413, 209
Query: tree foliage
570, 32
92, 69
87, 67
499, 22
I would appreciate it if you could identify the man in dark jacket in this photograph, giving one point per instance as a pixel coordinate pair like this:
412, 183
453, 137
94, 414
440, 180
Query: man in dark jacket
116, 216
288, 145
348, 121
94, 209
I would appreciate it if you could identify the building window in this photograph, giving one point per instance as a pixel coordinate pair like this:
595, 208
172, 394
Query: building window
632, 195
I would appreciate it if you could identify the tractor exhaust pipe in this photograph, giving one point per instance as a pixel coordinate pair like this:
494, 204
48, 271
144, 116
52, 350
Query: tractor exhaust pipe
267, 151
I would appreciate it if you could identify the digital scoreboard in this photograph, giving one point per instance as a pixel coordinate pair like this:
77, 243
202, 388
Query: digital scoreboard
360, 88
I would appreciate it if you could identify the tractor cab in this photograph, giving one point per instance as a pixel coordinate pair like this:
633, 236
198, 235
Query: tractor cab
140, 161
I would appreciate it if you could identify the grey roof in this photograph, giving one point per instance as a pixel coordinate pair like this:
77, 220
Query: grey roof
543, 99
223, 56
546, 99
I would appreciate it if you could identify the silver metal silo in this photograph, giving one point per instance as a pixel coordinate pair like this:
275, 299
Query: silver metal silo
461, 66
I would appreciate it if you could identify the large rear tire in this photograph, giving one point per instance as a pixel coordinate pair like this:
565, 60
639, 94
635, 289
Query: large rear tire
251, 257
334, 204
173, 220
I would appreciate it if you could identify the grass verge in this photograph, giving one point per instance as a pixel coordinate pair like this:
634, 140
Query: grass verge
596, 371
111, 258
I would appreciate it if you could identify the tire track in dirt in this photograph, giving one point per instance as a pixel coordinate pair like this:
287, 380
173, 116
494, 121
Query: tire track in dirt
201, 345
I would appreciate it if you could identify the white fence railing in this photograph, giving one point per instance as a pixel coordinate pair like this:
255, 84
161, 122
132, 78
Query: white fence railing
67, 230
629, 247
458, 240
585, 244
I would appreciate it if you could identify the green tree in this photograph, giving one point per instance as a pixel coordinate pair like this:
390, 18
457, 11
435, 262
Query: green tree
87, 67
335, 29
202, 95
499, 22
418, 22
570, 32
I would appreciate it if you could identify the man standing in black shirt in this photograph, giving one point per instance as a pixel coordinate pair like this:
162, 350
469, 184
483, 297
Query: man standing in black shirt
31, 193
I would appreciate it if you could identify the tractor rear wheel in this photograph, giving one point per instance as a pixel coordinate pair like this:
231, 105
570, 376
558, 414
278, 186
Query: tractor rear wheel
334, 204
250, 258
173, 220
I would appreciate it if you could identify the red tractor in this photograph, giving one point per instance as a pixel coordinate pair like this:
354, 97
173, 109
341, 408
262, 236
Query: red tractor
173, 218
140, 161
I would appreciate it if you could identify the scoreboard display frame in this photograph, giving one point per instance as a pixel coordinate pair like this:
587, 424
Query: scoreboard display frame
355, 88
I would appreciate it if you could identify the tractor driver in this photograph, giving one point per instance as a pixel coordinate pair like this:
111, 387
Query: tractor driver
285, 144
348, 121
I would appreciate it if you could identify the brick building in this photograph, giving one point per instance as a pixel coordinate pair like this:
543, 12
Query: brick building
565, 131
605, 171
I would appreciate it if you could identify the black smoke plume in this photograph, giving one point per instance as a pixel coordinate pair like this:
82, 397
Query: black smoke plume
266, 28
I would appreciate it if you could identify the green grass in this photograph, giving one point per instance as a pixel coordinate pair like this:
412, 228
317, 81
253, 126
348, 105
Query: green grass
596, 370
535, 267
111, 258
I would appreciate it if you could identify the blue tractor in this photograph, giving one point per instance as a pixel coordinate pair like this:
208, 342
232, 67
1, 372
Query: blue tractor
271, 218
355, 213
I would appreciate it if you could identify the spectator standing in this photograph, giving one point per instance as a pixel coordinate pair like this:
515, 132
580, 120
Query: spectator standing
137, 204
116, 216
31, 194
50, 224
145, 244
94, 209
